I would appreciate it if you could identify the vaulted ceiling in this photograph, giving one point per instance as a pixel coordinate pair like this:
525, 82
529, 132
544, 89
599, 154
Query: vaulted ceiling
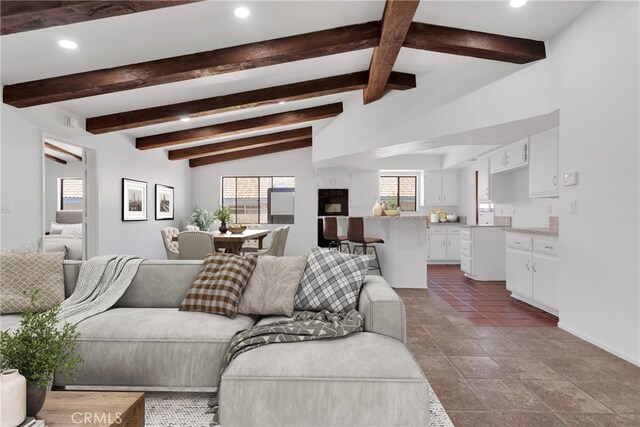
189, 61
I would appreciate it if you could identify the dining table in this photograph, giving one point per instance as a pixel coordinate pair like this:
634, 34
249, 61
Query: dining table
232, 243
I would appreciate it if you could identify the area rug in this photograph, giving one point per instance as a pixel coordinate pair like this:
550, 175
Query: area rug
164, 409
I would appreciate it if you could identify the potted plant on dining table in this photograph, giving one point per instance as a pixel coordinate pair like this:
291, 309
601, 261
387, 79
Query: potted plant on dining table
223, 214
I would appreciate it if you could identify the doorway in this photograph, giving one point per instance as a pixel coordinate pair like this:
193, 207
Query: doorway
69, 206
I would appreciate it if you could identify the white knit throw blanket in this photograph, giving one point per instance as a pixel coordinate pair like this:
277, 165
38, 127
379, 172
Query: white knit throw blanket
101, 282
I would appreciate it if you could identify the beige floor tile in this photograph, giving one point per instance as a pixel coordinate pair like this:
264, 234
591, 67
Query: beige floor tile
562, 396
474, 419
478, 367
598, 420
437, 367
423, 345
530, 419
617, 396
506, 395
500, 347
527, 368
616, 367
456, 395
574, 369
459, 347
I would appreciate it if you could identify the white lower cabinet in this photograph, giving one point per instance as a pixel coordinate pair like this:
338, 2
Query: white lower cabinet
444, 243
532, 270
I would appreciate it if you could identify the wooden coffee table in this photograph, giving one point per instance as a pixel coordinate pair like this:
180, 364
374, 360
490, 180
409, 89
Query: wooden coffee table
93, 408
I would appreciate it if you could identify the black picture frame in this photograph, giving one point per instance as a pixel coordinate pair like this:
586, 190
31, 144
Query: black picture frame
134, 200
161, 214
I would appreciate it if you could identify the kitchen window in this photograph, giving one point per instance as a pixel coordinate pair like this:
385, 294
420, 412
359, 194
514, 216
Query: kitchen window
400, 191
259, 199
70, 194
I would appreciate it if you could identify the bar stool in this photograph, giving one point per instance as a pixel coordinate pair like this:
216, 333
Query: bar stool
355, 234
330, 232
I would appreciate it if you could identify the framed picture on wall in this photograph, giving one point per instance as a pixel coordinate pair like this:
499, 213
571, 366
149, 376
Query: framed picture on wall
164, 202
134, 200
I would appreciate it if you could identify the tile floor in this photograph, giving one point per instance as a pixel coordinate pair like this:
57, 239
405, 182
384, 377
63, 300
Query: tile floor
514, 376
484, 303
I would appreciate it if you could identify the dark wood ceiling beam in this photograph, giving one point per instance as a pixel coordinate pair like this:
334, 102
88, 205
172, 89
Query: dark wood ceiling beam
185, 67
253, 152
240, 126
54, 158
396, 20
62, 150
457, 41
236, 101
241, 144
24, 15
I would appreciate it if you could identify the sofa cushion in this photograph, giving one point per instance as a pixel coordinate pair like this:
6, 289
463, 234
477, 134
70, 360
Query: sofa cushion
346, 381
273, 285
24, 274
220, 284
331, 281
154, 347
9, 321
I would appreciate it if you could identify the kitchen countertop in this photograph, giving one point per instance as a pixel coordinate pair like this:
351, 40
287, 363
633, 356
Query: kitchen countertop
410, 217
445, 223
483, 226
535, 230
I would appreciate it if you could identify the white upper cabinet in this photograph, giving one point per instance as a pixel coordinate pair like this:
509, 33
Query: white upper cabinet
510, 157
484, 180
363, 188
543, 165
441, 188
433, 188
450, 185
333, 179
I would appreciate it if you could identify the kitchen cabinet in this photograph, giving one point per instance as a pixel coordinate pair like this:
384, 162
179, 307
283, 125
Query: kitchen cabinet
532, 270
441, 188
450, 185
482, 253
444, 243
484, 180
433, 188
333, 179
543, 164
510, 157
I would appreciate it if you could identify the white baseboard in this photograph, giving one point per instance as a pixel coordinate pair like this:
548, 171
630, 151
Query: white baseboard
627, 357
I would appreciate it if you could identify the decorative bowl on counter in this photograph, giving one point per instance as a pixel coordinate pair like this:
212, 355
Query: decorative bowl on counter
452, 217
237, 228
391, 213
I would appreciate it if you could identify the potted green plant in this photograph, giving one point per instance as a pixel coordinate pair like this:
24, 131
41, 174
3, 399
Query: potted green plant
39, 349
223, 214
392, 208
201, 218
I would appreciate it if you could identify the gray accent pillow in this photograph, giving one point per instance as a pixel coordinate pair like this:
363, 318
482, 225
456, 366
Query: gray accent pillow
272, 286
331, 281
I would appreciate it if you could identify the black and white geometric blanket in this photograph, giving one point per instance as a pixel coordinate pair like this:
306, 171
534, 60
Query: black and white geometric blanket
304, 326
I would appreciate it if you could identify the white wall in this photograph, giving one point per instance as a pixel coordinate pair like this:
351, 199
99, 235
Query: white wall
21, 179
52, 172
205, 181
117, 158
596, 69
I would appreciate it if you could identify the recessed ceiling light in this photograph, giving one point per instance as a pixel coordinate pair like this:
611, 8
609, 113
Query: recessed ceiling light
282, 102
67, 44
517, 3
185, 119
242, 12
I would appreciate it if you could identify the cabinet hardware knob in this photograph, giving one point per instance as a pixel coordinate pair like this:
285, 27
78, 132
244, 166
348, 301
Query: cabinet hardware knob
528, 268
555, 180
548, 247
534, 267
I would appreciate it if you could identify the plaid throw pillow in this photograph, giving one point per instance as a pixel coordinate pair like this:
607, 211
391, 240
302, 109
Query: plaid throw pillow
219, 284
331, 281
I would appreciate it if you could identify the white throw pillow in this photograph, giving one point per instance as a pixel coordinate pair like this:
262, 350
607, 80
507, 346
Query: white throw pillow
66, 229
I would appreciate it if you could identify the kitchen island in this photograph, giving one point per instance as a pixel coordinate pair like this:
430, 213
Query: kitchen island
403, 256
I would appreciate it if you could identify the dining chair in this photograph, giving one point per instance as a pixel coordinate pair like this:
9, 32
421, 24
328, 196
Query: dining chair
192, 228
278, 242
363, 245
171, 247
195, 244
330, 232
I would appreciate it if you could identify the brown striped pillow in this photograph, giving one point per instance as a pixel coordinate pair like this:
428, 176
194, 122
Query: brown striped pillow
220, 284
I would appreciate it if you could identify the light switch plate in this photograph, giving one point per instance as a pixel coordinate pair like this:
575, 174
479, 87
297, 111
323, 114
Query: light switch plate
570, 178
573, 207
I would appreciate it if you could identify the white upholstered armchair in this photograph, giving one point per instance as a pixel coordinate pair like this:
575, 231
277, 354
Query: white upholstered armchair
170, 245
